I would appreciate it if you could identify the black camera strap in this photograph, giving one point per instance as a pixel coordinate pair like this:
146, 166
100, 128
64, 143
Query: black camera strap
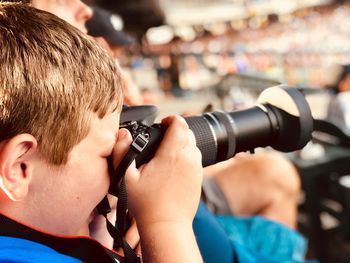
118, 175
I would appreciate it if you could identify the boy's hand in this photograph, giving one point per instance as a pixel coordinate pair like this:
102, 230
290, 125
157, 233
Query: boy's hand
167, 189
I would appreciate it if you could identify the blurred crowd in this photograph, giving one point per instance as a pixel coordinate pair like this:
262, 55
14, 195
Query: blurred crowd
296, 49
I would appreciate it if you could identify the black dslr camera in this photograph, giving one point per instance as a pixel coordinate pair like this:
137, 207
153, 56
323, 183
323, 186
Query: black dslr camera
282, 120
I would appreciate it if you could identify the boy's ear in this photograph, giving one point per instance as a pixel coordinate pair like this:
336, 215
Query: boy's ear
15, 165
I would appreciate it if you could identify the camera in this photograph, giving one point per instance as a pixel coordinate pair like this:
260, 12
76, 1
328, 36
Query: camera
282, 119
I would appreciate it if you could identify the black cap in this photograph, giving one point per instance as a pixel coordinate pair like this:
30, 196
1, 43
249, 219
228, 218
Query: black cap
109, 26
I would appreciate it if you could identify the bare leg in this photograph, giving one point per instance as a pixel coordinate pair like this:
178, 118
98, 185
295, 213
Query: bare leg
264, 184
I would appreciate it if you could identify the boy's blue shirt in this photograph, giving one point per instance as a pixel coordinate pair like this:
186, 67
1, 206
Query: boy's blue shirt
20, 250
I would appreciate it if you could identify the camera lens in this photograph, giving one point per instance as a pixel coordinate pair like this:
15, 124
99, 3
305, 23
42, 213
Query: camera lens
282, 120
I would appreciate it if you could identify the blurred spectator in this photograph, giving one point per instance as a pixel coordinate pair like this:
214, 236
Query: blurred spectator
338, 109
109, 25
74, 12
108, 32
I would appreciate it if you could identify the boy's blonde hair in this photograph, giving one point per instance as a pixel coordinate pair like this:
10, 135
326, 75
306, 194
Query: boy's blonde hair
52, 79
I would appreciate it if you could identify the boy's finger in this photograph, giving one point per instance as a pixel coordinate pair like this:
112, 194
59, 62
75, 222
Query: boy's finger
121, 147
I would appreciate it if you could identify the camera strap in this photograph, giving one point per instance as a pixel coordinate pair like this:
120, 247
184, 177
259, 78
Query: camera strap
118, 175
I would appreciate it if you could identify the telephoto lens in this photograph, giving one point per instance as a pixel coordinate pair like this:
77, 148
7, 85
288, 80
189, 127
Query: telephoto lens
281, 119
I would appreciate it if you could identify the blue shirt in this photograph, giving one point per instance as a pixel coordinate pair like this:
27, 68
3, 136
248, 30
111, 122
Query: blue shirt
24, 251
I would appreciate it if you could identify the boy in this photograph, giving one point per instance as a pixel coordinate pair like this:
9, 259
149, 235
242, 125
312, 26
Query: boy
60, 102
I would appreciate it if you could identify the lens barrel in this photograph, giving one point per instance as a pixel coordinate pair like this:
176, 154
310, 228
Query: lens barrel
286, 126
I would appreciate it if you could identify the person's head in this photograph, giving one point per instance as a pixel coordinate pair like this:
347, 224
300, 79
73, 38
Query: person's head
109, 26
74, 12
60, 99
342, 79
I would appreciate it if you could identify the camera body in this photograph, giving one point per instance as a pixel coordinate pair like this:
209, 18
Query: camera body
145, 138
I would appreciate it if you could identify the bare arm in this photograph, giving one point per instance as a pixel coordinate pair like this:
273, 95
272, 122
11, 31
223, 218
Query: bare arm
169, 242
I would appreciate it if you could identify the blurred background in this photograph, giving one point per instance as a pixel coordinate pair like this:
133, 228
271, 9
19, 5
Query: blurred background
224, 52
